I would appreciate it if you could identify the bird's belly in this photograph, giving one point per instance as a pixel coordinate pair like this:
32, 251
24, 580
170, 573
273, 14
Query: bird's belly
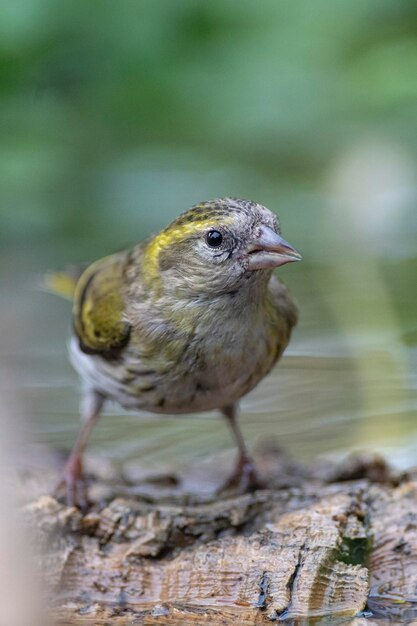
192, 392
191, 386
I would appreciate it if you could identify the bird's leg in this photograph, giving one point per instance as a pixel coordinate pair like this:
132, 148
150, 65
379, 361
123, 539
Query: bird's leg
72, 478
244, 477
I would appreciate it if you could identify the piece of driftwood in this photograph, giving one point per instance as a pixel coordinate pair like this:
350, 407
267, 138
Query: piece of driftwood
338, 542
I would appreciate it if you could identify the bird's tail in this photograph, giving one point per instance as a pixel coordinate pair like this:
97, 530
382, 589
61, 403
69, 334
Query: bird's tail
62, 283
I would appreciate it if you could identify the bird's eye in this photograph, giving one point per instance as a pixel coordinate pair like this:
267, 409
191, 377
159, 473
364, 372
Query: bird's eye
214, 238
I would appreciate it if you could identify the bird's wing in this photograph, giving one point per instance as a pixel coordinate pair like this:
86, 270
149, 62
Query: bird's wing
99, 306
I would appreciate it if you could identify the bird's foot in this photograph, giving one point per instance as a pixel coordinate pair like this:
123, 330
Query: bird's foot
72, 484
244, 478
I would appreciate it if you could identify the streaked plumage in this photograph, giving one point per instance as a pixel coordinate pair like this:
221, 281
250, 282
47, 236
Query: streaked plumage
181, 322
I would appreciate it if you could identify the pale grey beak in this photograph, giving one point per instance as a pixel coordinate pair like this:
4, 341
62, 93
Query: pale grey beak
267, 250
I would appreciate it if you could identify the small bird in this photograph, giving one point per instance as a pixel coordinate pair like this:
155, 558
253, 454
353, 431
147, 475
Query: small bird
189, 320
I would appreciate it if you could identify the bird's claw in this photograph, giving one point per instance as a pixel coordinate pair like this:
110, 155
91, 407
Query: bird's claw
72, 485
244, 478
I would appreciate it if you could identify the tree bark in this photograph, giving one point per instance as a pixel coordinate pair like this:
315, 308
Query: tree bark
328, 546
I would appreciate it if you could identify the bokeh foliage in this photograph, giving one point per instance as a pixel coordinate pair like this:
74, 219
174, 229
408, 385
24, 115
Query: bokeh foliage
116, 116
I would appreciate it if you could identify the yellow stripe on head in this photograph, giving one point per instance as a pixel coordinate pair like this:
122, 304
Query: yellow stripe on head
193, 222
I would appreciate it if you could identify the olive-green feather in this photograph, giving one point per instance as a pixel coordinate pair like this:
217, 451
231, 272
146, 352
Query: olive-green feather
99, 307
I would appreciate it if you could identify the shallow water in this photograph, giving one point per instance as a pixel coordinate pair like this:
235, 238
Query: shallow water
340, 386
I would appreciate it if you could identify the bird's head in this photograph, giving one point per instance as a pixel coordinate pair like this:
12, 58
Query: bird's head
216, 246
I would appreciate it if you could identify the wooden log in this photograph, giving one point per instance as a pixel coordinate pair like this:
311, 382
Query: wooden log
310, 551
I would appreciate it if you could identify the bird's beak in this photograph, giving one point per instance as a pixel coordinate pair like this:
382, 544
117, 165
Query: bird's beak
267, 250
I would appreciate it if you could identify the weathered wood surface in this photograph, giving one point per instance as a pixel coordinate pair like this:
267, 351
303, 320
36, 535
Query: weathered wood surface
315, 549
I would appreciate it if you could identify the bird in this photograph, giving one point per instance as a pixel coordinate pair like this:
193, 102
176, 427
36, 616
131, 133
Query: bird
191, 319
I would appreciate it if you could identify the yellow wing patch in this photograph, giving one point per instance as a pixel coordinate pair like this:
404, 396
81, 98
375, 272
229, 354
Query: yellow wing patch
99, 307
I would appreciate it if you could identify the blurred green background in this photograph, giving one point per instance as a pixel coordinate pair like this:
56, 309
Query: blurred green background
116, 117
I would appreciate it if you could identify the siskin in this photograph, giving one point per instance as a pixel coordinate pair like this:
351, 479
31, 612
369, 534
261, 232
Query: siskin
190, 320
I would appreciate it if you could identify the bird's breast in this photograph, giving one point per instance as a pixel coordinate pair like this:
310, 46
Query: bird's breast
215, 366
209, 375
